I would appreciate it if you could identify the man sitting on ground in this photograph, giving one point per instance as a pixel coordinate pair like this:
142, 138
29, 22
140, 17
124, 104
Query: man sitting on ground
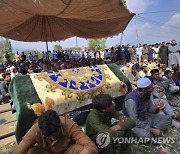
172, 89
4, 93
157, 80
144, 72
133, 76
138, 107
99, 122
176, 75
54, 134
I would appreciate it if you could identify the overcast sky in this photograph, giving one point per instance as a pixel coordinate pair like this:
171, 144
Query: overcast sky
152, 27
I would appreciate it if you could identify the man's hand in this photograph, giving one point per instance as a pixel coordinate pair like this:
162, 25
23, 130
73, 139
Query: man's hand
7, 94
158, 87
122, 119
161, 94
84, 151
156, 131
115, 128
158, 105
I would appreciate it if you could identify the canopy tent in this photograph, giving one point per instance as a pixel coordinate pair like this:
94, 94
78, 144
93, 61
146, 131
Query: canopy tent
52, 20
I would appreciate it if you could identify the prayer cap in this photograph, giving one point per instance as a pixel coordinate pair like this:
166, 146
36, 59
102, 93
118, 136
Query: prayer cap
143, 82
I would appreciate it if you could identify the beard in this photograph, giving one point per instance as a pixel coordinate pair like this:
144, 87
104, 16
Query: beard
134, 73
147, 96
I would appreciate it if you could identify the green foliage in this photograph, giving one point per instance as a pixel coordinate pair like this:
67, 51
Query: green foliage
5, 45
96, 44
57, 47
73, 48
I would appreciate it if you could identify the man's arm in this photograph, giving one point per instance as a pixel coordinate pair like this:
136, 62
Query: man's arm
82, 139
131, 109
2, 89
27, 142
99, 127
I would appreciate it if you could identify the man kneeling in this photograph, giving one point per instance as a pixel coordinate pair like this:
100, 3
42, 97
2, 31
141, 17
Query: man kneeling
100, 129
54, 134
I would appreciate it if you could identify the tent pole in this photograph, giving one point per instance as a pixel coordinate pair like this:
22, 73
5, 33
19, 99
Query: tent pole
47, 46
76, 42
121, 38
137, 35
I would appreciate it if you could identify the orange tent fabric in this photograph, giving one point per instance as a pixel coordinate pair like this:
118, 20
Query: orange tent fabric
52, 20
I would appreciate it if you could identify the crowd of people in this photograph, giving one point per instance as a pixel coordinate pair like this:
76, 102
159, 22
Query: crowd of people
154, 73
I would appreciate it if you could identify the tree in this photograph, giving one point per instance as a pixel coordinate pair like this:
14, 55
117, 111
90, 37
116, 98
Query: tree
73, 48
5, 45
57, 47
96, 44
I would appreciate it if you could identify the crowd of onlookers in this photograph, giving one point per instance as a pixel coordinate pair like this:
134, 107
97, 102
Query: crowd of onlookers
135, 62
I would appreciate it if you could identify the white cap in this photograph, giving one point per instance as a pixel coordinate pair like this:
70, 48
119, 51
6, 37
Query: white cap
143, 82
11, 68
7, 69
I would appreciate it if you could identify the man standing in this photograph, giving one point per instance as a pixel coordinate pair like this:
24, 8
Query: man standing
156, 50
23, 57
139, 52
163, 53
145, 52
30, 57
7, 57
174, 56
138, 107
54, 134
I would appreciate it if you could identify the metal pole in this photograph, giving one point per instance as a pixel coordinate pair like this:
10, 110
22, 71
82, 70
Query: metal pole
137, 35
121, 38
47, 46
76, 42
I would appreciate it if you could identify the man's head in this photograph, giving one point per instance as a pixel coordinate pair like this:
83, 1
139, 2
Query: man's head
127, 64
134, 69
103, 103
144, 87
163, 44
132, 61
176, 69
49, 124
156, 45
13, 69
155, 74
145, 69
7, 77
168, 74
173, 42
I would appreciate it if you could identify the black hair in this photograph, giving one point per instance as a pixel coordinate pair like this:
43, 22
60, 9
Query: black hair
143, 67
134, 66
167, 72
102, 101
49, 122
5, 74
175, 69
153, 71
